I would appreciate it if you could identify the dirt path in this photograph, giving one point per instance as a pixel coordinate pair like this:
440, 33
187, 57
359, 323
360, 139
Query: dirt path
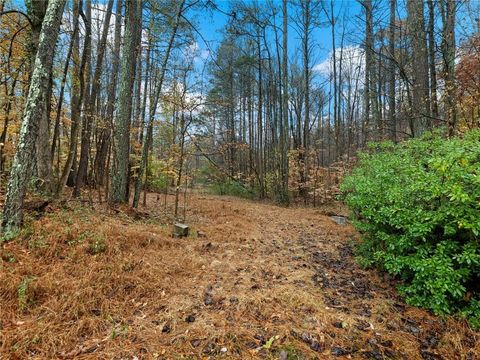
289, 275
254, 281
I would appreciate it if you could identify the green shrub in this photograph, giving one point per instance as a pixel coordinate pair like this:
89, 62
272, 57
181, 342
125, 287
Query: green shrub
22, 291
97, 245
417, 205
158, 177
232, 188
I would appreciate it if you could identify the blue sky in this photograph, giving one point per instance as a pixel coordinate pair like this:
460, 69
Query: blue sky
211, 23
348, 13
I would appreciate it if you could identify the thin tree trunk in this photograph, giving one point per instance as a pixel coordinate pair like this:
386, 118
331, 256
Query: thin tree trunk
6, 109
76, 100
448, 47
153, 109
97, 77
88, 106
145, 96
306, 73
58, 116
2, 6
368, 67
284, 136
260, 119
180, 167
431, 57
391, 73
107, 126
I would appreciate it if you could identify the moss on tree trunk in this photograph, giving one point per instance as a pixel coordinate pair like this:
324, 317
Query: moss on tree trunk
35, 108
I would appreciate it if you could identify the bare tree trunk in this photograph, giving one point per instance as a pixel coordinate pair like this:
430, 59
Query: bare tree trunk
260, 168
107, 126
138, 49
284, 136
88, 115
2, 6
118, 191
420, 85
391, 73
42, 145
368, 66
306, 74
145, 91
87, 108
136, 124
180, 161
76, 98
448, 10
7, 107
36, 10
35, 108
56, 130
153, 109
431, 57
336, 80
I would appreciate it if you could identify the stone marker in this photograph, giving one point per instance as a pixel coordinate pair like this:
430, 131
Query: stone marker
339, 220
180, 230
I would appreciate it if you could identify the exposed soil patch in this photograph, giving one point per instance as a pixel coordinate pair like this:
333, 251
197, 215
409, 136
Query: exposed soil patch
253, 281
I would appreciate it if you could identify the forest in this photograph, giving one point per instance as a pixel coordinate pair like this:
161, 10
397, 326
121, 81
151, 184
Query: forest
240, 179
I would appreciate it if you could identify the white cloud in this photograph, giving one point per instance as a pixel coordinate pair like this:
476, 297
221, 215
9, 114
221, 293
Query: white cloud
195, 52
353, 61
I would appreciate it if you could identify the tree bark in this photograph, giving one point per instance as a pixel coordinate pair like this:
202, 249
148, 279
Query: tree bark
284, 136
420, 83
35, 108
58, 116
36, 10
448, 8
153, 109
260, 169
368, 67
391, 73
7, 107
107, 126
118, 191
81, 174
88, 116
306, 74
431, 57
2, 6
75, 100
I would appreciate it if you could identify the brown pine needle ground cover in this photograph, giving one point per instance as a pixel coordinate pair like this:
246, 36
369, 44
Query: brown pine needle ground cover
253, 281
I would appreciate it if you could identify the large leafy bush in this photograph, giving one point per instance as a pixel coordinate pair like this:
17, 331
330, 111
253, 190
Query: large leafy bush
417, 205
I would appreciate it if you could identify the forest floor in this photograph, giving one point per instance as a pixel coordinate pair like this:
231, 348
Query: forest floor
252, 281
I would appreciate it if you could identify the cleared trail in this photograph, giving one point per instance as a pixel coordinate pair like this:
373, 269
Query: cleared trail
253, 281
297, 267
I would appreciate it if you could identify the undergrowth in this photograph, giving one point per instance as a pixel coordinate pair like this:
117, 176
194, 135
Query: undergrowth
232, 188
22, 291
417, 205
